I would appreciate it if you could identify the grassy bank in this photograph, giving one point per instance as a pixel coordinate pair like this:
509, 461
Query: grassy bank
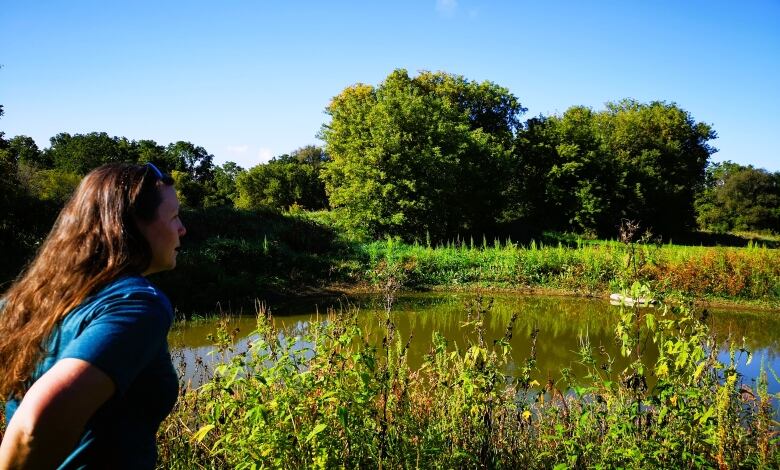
338, 397
231, 257
749, 275
234, 257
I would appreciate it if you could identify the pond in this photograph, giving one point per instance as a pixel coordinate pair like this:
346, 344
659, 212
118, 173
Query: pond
563, 323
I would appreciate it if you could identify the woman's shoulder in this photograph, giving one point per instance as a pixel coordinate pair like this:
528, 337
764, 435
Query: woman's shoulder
131, 289
127, 285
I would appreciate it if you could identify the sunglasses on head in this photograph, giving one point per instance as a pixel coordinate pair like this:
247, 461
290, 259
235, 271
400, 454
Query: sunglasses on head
156, 171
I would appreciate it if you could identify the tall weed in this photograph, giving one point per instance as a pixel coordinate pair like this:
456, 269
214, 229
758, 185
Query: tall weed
338, 396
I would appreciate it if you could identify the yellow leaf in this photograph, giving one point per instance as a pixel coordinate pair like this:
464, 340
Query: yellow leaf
201, 433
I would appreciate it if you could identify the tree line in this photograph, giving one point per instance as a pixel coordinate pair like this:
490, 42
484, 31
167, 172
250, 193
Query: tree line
52, 174
35, 182
437, 155
442, 155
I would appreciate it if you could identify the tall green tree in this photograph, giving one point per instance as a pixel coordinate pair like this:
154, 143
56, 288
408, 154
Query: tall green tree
740, 198
24, 150
224, 191
149, 151
632, 160
526, 192
569, 166
80, 153
310, 155
419, 154
192, 159
281, 184
193, 169
662, 153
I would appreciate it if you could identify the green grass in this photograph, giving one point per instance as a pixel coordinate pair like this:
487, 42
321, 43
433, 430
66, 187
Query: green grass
750, 274
234, 257
231, 257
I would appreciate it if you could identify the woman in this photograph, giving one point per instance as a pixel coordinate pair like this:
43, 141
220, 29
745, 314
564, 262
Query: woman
83, 344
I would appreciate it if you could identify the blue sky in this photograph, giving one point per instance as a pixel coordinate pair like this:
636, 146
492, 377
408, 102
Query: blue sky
251, 79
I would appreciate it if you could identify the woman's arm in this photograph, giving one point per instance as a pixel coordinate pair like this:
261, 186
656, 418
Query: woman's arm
51, 417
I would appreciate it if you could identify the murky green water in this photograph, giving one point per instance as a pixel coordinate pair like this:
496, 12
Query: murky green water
563, 323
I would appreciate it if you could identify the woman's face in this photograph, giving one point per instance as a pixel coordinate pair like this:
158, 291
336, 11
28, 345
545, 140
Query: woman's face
163, 233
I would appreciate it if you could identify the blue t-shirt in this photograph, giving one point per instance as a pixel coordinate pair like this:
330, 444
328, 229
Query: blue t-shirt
122, 330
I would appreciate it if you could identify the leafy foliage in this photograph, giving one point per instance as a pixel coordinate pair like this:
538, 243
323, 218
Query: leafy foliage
419, 154
81, 153
286, 182
23, 150
332, 394
225, 192
191, 159
587, 170
78, 154
52, 185
739, 198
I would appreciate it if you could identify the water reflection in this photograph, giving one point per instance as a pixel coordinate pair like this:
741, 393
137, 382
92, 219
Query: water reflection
563, 323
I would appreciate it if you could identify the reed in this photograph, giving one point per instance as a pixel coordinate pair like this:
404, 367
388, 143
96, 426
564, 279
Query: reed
749, 274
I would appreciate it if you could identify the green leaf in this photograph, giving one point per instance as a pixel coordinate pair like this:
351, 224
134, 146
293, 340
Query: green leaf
584, 418
317, 429
650, 320
707, 414
343, 414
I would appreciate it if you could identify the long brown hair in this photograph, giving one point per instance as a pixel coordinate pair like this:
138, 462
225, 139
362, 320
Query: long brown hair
94, 240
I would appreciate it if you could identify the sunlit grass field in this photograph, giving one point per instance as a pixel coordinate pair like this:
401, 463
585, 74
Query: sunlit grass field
750, 273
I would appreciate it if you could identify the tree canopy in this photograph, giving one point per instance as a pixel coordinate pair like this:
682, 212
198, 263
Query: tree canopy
438, 155
587, 170
80, 153
739, 198
419, 154
443, 155
287, 181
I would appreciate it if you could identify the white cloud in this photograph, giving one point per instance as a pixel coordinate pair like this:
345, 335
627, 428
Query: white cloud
446, 7
237, 149
264, 154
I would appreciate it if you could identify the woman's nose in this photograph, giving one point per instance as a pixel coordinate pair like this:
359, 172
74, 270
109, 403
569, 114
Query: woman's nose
182, 230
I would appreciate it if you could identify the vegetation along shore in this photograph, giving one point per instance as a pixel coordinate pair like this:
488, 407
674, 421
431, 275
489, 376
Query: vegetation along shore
440, 172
